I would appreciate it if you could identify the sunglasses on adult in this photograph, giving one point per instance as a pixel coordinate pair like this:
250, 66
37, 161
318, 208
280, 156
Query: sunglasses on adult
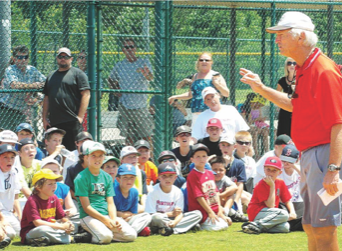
247, 143
204, 60
63, 57
22, 57
291, 63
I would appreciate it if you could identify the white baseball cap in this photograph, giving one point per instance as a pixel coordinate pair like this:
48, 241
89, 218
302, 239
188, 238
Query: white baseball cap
293, 19
85, 146
208, 90
50, 161
227, 139
8, 136
127, 150
95, 146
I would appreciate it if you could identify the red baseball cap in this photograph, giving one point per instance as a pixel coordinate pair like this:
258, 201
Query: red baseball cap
214, 122
273, 162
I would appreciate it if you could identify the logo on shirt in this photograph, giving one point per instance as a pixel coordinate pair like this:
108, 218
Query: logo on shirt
99, 189
47, 213
288, 152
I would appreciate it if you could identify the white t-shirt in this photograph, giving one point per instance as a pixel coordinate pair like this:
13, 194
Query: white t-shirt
293, 184
9, 187
260, 174
158, 201
250, 166
231, 120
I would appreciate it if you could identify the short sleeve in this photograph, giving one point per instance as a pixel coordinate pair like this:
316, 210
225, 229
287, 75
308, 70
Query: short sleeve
109, 186
10, 77
82, 81
150, 206
114, 74
195, 185
261, 191
180, 199
241, 175
81, 186
31, 210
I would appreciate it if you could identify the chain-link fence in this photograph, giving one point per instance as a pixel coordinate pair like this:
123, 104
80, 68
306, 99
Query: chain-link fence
135, 53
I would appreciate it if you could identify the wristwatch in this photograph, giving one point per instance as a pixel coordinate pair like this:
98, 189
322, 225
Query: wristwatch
333, 168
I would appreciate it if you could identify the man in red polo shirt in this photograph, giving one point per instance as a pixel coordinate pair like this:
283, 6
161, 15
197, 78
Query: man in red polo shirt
316, 123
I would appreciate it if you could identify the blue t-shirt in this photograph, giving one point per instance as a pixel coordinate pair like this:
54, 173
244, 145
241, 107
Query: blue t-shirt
126, 204
236, 171
62, 190
197, 103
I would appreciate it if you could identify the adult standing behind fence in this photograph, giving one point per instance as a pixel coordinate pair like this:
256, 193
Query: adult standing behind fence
205, 77
316, 107
16, 108
285, 84
67, 94
133, 73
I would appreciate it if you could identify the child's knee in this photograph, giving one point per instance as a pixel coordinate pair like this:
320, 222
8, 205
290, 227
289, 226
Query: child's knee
157, 218
105, 238
284, 215
130, 235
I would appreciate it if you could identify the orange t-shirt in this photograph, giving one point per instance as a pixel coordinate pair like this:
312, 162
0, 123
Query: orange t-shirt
319, 103
151, 172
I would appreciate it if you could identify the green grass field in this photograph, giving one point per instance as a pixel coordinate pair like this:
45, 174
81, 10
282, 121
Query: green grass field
232, 239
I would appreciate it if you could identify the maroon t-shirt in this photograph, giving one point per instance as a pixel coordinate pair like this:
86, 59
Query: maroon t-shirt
37, 208
202, 185
261, 193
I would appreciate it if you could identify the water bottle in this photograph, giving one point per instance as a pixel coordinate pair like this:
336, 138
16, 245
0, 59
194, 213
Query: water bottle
69, 155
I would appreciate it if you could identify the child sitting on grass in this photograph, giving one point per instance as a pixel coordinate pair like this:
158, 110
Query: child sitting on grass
202, 192
94, 189
44, 221
214, 129
263, 211
111, 165
126, 200
166, 204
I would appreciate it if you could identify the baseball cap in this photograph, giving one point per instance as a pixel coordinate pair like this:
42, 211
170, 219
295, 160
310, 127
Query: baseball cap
208, 90
49, 161
24, 126
166, 168
47, 174
125, 169
229, 140
95, 146
214, 122
8, 136
127, 150
64, 50
290, 154
24, 142
164, 154
83, 135
85, 146
7, 148
283, 140
53, 130
293, 19
273, 162
142, 143
199, 147
182, 129
109, 158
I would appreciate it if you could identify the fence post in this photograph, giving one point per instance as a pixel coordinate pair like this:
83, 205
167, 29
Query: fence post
232, 58
99, 68
5, 35
263, 45
163, 125
272, 74
33, 33
330, 32
91, 67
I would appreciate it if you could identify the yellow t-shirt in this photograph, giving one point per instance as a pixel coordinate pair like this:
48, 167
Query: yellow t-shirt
29, 172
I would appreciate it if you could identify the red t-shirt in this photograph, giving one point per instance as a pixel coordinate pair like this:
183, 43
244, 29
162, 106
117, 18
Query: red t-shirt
261, 193
202, 185
37, 208
319, 104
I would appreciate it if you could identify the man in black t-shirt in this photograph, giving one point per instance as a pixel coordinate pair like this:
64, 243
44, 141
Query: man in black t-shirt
67, 94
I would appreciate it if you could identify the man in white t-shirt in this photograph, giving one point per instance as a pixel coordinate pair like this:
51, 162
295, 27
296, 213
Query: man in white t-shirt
132, 73
291, 176
279, 144
231, 120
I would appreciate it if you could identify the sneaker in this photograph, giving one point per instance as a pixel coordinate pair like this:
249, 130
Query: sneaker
5, 242
196, 228
165, 231
84, 237
145, 232
40, 242
251, 228
237, 217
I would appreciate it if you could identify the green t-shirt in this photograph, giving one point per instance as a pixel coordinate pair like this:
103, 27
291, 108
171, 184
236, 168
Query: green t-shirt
96, 188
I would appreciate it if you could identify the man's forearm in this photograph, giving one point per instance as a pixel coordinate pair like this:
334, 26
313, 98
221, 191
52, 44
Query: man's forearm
45, 107
84, 103
336, 145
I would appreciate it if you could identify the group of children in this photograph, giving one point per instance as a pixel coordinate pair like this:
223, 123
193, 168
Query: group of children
204, 186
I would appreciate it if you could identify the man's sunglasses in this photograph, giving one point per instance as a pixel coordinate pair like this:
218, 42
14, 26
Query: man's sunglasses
63, 57
204, 60
291, 63
129, 47
22, 57
247, 143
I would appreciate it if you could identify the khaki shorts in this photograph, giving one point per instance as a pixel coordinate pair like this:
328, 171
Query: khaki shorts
135, 123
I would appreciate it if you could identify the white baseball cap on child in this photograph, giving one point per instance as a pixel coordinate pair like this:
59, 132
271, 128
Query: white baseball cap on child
8, 136
208, 90
127, 150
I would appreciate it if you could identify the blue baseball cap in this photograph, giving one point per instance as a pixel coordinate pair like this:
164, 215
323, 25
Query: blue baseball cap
24, 126
125, 169
289, 154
